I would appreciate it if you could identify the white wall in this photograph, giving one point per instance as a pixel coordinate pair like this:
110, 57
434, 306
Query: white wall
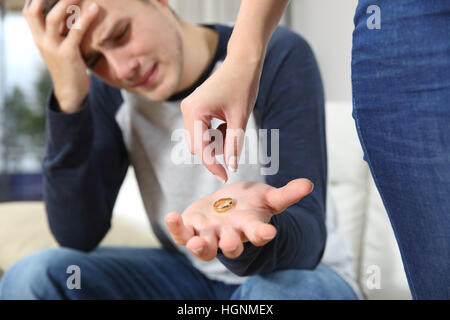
206, 11
326, 24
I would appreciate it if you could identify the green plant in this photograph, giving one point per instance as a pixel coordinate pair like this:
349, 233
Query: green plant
24, 124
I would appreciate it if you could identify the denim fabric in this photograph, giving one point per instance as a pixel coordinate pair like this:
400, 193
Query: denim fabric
401, 98
150, 273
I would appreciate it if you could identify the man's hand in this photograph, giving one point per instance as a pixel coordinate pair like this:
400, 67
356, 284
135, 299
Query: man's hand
61, 53
229, 95
203, 230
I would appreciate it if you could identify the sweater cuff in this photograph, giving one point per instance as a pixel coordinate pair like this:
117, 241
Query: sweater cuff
63, 129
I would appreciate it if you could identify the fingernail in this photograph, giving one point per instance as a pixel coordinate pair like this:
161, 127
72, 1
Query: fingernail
221, 180
232, 164
172, 222
197, 251
268, 238
312, 187
93, 7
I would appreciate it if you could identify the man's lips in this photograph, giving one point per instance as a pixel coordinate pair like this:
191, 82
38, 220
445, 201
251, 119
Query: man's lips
149, 77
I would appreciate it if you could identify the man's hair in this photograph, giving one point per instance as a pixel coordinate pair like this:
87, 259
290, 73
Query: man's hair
49, 4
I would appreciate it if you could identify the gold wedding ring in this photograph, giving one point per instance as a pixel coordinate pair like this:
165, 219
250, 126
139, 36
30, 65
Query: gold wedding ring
223, 204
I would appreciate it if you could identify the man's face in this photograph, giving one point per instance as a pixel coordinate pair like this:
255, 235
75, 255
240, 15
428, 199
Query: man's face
144, 51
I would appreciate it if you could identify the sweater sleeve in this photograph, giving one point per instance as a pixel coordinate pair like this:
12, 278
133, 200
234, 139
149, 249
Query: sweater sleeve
84, 167
291, 100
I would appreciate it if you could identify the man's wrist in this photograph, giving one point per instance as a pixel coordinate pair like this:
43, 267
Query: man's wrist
55, 106
67, 107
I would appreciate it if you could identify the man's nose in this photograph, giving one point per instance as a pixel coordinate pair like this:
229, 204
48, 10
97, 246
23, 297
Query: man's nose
125, 68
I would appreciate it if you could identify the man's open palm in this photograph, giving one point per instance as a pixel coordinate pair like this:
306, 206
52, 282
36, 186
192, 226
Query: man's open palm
203, 230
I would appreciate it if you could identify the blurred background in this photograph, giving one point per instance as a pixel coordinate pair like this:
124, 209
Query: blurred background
25, 83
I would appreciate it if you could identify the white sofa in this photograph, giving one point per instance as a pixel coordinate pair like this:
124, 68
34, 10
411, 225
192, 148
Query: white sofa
363, 220
362, 217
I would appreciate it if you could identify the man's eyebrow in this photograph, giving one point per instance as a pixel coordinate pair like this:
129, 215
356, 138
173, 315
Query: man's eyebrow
109, 35
111, 31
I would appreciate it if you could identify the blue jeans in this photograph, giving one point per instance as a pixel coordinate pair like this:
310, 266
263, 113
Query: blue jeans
401, 98
151, 273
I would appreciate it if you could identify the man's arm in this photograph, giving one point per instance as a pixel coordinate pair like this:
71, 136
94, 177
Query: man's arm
84, 168
292, 100
86, 160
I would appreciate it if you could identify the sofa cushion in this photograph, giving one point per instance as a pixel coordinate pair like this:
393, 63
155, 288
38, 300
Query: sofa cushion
24, 230
347, 175
381, 254
362, 218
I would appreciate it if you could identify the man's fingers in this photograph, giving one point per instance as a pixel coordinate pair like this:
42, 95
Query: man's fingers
56, 17
196, 245
259, 233
230, 243
26, 4
278, 199
180, 233
35, 19
76, 35
204, 246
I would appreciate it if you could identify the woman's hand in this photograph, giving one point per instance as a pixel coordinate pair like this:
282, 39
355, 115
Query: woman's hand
203, 230
229, 95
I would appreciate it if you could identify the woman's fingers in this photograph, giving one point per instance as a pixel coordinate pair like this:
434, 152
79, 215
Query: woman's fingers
278, 199
181, 233
222, 128
234, 139
196, 129
207, 155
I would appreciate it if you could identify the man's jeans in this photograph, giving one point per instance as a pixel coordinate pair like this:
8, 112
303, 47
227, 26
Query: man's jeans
401, 97
151, 273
